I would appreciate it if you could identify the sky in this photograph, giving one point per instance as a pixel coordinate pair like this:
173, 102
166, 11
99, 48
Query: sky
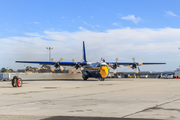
148, 30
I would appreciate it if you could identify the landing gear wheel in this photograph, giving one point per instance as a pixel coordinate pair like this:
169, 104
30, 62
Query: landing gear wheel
101, 79
84, 78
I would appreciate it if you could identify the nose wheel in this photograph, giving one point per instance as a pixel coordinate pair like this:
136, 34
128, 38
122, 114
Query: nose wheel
101, 79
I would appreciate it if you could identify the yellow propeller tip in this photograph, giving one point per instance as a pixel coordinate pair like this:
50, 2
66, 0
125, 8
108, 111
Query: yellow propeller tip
62, 69
109, 64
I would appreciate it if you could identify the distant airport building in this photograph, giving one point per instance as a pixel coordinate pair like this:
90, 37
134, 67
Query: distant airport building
143, 74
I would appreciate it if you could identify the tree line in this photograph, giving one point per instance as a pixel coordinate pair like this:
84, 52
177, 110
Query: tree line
4, 70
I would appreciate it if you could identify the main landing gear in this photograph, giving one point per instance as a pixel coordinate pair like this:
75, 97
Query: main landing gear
84, 77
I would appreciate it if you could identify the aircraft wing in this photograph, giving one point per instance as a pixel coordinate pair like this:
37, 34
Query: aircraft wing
53, 63
151, 63
131, 63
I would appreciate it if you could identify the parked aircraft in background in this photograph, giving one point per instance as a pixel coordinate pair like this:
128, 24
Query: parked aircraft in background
98, 70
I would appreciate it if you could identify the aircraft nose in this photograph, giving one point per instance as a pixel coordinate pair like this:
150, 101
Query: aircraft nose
104, 71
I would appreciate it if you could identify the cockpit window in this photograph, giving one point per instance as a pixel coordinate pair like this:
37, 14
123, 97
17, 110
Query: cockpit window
98, 64
94, 64
103, 65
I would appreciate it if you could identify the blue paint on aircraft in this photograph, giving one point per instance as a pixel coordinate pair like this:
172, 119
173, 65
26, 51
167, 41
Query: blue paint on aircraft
84, 52
88, 70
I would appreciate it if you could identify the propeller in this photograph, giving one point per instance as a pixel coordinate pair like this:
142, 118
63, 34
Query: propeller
137, 70
57, 64
114, 66
134, 65
77, 65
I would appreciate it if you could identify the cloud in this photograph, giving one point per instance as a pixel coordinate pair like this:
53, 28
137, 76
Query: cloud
88, 24
36, 22
116, 24
170, 13
147, 45
81, 28
132, 18
91, 16
32, 34
97, 26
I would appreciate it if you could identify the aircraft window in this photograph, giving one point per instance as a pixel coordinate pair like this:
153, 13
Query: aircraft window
92, 65
103, 65
99, 65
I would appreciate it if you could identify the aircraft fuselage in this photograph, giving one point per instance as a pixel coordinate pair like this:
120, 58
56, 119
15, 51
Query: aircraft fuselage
95, 70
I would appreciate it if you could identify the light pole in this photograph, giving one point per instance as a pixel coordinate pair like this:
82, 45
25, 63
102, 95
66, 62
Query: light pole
49, 48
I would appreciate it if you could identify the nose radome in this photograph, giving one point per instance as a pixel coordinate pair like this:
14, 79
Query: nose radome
104, 71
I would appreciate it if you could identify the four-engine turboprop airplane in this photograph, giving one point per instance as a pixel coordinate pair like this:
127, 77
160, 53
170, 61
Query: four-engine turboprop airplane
98, 70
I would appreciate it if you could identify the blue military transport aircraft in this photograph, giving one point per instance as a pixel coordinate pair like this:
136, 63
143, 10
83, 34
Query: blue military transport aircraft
98, 70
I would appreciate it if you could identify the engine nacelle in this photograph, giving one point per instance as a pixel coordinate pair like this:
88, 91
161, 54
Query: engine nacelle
134, 66
77, 66
114, 66
56, 65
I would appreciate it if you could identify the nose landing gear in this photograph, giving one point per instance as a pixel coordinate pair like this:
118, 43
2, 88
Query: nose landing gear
101, 79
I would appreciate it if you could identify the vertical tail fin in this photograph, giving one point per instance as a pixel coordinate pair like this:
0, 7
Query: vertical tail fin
84, 52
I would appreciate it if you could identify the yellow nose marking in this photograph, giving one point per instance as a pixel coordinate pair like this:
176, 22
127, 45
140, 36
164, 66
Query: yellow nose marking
104, 71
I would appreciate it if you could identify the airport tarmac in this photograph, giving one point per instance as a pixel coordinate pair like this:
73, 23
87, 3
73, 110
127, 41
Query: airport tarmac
114, 99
